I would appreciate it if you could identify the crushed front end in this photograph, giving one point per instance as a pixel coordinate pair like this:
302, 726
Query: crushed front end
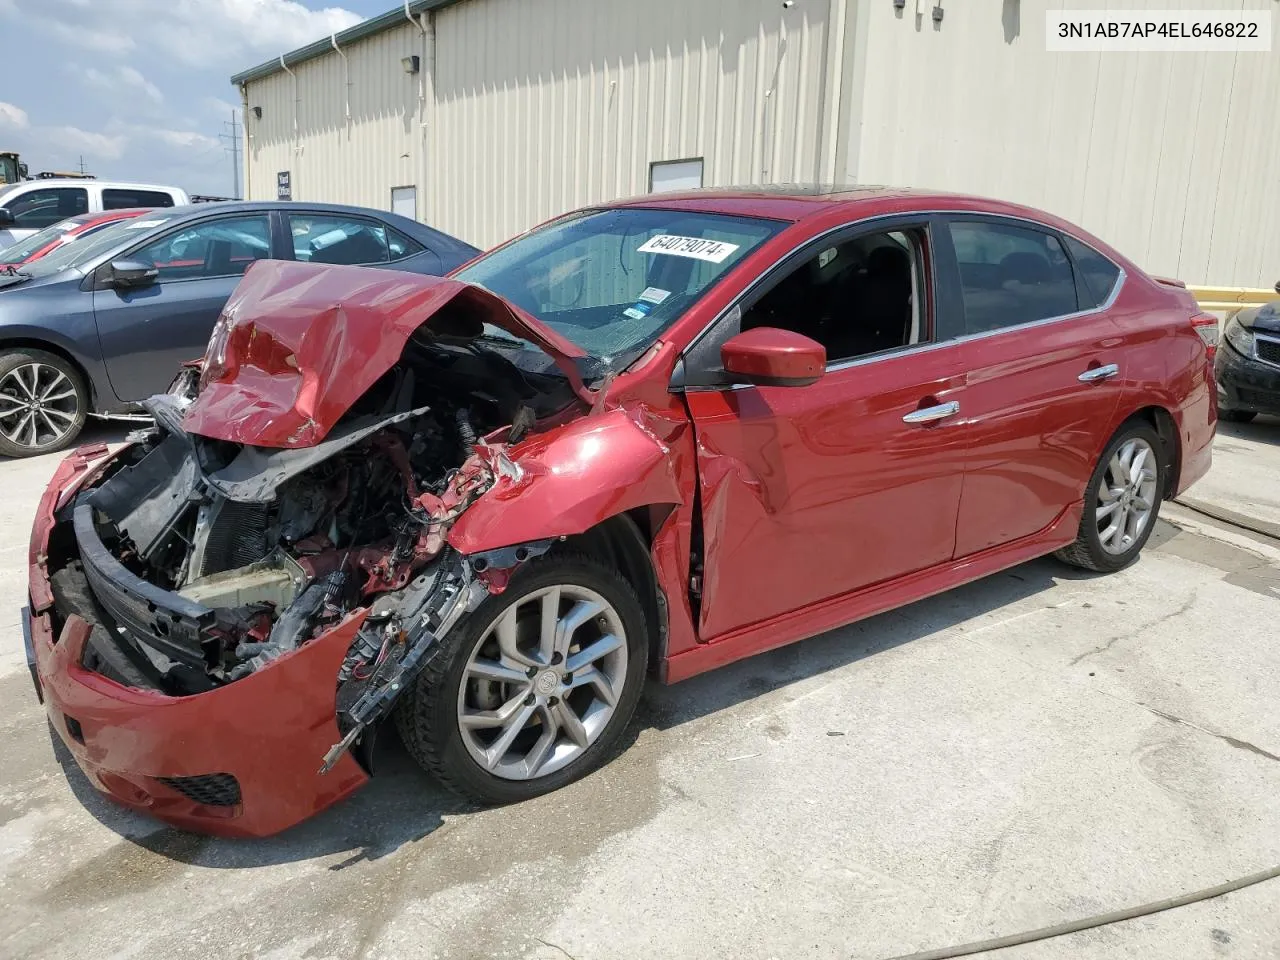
217, 628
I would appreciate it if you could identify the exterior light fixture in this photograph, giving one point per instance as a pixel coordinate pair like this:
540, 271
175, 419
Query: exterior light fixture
410, 63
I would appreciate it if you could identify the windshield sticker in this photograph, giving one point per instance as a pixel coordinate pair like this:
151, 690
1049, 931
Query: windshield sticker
713, 251
144, 224
638, 312
654, 294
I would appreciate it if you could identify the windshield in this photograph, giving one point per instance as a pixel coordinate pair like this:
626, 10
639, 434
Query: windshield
109, 237
37, 241
612, 280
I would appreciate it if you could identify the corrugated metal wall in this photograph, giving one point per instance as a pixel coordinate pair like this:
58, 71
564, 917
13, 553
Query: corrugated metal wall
1168, 156
542, 106
334, 160
546, 105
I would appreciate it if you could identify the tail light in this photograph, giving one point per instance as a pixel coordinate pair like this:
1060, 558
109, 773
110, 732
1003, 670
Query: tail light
1206, 325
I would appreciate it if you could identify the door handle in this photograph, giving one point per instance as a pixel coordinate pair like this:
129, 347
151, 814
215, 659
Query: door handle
1099, 373
933, 414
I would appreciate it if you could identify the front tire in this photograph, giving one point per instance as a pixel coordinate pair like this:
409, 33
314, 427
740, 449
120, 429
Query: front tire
535, 688
43, 403
1121, 502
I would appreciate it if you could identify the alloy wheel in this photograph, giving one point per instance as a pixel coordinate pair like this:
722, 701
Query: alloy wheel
1126, 496
543, 682
38, 405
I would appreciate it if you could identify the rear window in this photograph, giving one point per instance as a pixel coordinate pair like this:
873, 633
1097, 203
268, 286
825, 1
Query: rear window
1098, 273
117, 198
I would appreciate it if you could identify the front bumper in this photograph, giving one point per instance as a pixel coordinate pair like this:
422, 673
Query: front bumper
1244, 383
240, 760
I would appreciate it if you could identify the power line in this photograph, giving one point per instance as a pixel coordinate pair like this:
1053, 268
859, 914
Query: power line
231, 139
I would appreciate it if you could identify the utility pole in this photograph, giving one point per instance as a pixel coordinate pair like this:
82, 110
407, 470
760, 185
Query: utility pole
232, 139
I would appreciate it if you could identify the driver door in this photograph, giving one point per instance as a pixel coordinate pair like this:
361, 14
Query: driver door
809, 493
147, 333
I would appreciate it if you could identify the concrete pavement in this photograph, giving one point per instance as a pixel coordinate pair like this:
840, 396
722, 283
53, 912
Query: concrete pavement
1036, 747
1244, 485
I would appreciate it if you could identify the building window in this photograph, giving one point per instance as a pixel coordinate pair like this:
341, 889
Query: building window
668, 175
404, 201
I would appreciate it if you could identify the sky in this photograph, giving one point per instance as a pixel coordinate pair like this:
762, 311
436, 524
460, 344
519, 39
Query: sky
141, 88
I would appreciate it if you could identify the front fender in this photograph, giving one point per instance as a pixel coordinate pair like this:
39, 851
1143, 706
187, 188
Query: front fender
573, 478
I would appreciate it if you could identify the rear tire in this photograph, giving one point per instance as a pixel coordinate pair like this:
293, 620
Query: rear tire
1237, 416
43, 403
1121, 502
493, 677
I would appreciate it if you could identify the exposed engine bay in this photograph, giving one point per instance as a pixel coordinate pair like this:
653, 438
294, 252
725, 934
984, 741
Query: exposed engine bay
202, 561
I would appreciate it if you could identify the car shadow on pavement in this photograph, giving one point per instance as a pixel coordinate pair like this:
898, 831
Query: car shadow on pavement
1265, 429
402, 805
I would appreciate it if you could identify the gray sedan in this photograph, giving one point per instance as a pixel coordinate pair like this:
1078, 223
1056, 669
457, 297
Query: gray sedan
94, 328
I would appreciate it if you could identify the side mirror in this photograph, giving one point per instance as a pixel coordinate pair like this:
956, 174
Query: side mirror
6, 217
767, 356
131, 273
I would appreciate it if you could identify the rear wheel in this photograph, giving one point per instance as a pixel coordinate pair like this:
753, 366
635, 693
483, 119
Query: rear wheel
535, 689
1121, 503
43, 403
1237, 416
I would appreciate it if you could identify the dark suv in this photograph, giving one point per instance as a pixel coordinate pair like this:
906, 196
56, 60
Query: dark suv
95, 327
1248, 368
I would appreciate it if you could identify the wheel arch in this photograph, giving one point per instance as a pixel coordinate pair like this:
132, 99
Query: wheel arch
1166, 428
624, 541
11, 344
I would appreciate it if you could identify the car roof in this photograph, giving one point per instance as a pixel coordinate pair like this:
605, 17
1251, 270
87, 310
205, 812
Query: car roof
794, 202
105, 216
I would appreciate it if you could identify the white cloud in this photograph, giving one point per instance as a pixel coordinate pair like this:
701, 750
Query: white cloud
226, 34
101, 146
220, 108
12, 117
121, 80
185, 139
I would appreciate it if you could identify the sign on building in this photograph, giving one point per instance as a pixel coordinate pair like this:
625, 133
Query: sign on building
284, 191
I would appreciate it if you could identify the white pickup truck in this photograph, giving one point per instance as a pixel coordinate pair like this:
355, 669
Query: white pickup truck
32, 205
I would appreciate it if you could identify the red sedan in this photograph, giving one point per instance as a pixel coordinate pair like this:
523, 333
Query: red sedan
58, 235
659, 435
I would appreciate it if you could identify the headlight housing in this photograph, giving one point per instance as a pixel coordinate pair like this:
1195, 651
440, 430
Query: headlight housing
1240, 337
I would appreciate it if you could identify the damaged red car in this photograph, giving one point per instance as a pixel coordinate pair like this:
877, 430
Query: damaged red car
653, 437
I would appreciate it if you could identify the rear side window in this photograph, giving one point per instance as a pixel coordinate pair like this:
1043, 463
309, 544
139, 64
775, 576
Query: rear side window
1098, 273
1011, 275
328, 238
116, 198
37, 209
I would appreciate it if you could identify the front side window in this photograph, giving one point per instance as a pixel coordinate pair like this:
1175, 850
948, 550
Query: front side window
117, 198
215, 248
1011, 275
324, 238
856, 297
37, 209
612, 280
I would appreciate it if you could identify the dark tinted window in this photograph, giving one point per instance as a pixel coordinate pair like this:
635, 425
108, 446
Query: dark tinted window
37, 209
1099, 273
1011, 275
114, 198
215, 248
402, 246
325, 238
855, 297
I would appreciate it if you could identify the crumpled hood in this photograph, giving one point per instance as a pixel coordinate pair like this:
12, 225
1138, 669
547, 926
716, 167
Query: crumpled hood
298, 343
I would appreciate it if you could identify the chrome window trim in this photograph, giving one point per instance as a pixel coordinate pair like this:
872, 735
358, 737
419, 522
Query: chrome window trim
911, 347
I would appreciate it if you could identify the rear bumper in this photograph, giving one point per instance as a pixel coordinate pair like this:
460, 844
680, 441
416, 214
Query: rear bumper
240, 760
1245, 383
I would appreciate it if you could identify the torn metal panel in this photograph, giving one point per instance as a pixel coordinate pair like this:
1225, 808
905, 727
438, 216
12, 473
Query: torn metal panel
256, 472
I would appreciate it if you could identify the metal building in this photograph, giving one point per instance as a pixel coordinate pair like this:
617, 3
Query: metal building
485, 117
